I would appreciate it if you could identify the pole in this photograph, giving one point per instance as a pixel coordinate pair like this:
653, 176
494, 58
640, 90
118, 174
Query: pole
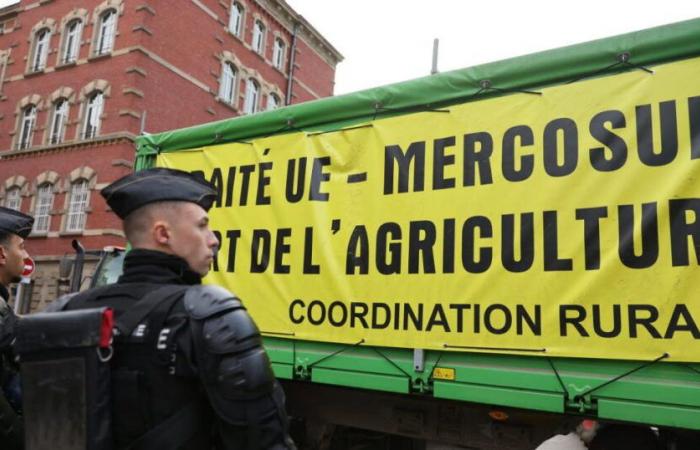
436, 43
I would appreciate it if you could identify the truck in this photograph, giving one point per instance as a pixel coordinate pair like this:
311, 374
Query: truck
480, 258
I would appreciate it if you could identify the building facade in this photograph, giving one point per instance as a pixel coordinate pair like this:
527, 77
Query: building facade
80, 79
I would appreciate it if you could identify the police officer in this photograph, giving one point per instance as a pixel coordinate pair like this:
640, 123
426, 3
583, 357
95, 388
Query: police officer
14, 229
189, 370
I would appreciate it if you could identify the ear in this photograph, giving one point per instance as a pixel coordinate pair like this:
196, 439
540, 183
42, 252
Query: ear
3, 255
161, 232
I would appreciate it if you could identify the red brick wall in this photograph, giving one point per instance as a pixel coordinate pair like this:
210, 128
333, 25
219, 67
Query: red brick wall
165, 63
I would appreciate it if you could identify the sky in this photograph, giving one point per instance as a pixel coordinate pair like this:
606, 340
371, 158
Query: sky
387, 41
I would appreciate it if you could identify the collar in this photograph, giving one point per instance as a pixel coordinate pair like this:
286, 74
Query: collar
152, 266
4, 293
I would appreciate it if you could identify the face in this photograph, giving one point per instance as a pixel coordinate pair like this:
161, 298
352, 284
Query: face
12, 256
191, 239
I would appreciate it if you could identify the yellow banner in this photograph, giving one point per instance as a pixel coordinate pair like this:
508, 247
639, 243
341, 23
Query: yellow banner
560, 224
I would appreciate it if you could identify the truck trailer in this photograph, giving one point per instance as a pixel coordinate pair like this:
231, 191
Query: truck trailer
479, 258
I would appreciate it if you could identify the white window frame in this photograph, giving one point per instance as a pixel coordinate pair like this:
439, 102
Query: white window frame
235, 21
71, 41
273, 101
252, 96
278, 54
27, 125
258, 36
59, 119
78, 201
13, 198
227, 86
94, 105
40, 55
42, 208
106, 32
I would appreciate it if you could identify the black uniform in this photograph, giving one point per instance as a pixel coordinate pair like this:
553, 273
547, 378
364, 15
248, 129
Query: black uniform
197, 354
11, 432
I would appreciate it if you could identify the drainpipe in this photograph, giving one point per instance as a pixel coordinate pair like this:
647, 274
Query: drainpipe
292, 54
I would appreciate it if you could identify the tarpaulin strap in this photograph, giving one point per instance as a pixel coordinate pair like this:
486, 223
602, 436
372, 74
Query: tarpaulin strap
337, 352
500, 349
487, 86
316, 133
619, 377
556, 372
623, 59
391, 362
380, 109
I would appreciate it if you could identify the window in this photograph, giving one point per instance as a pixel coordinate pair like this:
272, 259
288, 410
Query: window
26, 127
41, 50
105, 32
42, 208
227, 88
93, 111
252, 92
235, 22
71, 41
59, 118
258, 37
13, 200
273, 102
78, 201
278, 54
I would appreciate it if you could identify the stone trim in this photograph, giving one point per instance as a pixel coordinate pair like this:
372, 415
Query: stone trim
63, 92
133, 91
147, 8
143, 28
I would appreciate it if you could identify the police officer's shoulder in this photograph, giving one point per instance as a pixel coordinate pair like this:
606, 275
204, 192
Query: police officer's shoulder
203, 301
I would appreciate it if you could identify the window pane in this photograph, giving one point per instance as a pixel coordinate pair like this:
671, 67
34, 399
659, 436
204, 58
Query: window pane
258, 36
251, 97
93, 111
58, 121
105, 39
27, 127
227, 87
41, 50
42, 209
79, 197
278, 54
235, 24
12, 199
71, 45
272, 102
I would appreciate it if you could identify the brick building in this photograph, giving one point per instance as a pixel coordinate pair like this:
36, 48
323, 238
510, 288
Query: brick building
79, 79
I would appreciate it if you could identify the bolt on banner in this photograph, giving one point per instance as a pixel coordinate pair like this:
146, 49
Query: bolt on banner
561, 224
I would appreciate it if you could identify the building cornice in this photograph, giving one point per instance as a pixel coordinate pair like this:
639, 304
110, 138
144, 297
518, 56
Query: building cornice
40, 150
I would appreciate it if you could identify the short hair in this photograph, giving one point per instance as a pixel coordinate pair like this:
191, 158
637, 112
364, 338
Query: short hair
140, 220
5, 237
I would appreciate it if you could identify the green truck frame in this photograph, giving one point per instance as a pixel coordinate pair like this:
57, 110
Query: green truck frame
501, 392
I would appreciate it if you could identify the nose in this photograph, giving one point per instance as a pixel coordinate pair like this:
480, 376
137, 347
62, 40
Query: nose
213, 241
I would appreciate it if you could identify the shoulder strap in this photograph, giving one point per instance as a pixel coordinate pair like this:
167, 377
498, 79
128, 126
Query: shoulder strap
174, 431
126, 322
